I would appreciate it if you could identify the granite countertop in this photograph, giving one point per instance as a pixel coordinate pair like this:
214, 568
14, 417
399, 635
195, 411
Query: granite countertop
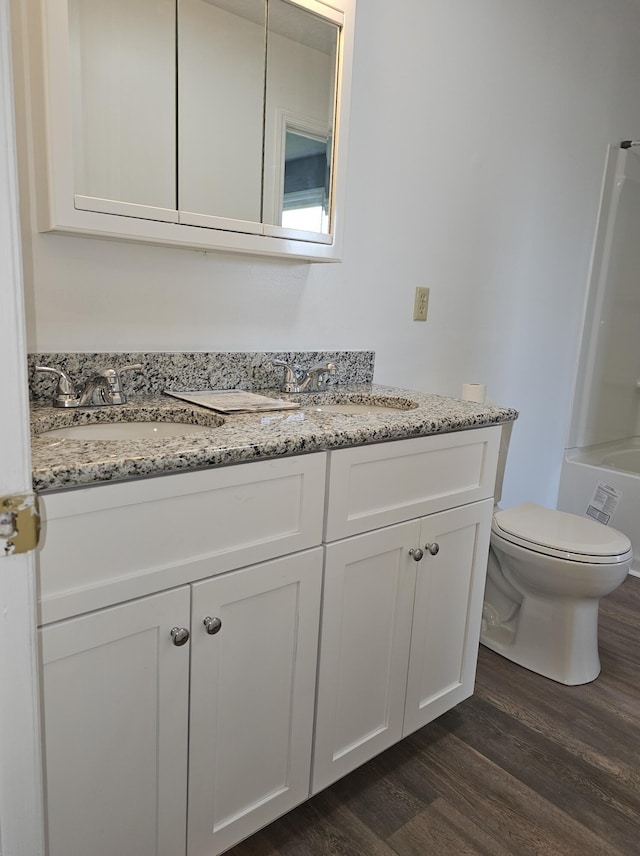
65, 463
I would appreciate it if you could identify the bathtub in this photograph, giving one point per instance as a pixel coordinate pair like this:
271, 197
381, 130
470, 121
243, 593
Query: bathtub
603, 482
626, 459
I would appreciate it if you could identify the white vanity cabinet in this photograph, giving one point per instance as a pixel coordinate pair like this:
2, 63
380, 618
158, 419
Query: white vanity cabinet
126, 710
156, 748
400, 626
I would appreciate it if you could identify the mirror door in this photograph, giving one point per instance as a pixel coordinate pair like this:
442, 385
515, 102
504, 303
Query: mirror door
221, 80
123, 86
300, 110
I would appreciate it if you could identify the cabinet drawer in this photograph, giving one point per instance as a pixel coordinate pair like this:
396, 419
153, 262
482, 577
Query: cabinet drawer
375, 486
111, 543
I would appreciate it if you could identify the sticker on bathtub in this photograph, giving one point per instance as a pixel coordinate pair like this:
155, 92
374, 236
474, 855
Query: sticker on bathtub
603, 503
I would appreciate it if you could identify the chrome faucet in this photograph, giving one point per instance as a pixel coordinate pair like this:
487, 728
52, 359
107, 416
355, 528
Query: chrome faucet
104, 387
297, 379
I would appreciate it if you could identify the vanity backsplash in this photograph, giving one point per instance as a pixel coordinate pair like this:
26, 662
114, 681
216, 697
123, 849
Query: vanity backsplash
197, 370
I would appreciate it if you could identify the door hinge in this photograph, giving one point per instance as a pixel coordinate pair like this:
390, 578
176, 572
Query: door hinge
19, 524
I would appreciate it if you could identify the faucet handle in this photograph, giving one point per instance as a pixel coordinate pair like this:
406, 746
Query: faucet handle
291, 376
319, 375
130, 367
66, 394
112, 376
323, 368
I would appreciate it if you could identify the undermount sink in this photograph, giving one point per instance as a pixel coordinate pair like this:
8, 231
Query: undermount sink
357, 408
363, 407
125, 431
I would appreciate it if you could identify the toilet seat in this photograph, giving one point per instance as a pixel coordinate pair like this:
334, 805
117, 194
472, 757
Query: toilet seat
561, 535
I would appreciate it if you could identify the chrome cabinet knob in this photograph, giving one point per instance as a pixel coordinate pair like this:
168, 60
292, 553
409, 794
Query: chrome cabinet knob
213, 625
416, 554
180, 635
434, 548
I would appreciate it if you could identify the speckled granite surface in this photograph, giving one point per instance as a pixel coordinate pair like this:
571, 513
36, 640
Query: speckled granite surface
195, 371
60, 464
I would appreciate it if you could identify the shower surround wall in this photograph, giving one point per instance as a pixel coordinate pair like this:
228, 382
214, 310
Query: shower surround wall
607, 396
605, 422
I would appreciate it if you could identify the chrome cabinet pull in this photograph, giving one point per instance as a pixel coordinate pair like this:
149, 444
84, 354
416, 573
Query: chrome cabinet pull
180, 635
433, 548
213, 625
416, 554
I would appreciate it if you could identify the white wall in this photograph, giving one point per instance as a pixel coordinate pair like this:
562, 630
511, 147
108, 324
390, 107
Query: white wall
478, 138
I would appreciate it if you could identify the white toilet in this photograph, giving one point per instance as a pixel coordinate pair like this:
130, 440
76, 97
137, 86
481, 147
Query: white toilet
546, 574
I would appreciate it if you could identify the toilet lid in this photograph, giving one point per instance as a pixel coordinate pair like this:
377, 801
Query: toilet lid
559, 533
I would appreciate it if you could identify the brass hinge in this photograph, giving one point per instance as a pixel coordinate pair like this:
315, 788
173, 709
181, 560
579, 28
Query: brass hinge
19, 524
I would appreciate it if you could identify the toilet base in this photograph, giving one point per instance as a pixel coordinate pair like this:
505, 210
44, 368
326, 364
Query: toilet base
557, 639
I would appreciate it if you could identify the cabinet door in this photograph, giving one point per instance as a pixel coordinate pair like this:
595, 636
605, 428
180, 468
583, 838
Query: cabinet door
366, 627
115, 699
252, 698
220, 174
447, 612
122, 76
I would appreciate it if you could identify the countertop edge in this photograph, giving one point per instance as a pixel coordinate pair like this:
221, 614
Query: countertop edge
243, 437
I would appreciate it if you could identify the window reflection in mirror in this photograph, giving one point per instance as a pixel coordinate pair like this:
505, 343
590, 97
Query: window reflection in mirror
305, 203
299, 117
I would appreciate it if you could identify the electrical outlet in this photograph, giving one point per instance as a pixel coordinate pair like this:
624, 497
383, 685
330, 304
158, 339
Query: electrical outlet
421, 304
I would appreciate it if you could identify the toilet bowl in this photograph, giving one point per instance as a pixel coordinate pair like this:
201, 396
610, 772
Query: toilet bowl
546, 574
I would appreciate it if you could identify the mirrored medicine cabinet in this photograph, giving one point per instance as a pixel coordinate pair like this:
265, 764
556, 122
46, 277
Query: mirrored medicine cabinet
213, 124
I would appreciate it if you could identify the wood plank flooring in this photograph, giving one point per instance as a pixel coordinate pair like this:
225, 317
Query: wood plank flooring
525, 766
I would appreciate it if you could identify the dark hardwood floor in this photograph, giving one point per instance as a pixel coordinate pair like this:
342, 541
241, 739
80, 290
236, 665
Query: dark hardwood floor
525, 766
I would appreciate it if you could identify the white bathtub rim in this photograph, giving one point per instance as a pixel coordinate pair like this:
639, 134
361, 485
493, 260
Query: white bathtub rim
582, 470
594, 455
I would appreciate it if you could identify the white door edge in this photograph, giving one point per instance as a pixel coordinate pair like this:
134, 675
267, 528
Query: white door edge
21, 813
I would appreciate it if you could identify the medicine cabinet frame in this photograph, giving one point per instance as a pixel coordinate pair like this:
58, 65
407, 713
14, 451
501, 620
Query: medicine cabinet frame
60, 211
